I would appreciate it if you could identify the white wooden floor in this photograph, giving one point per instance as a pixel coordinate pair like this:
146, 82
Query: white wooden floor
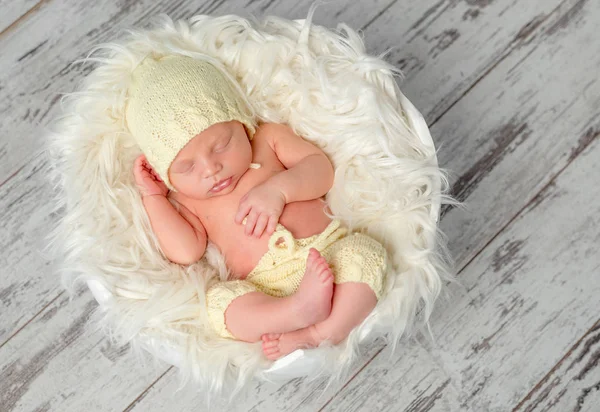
510, 89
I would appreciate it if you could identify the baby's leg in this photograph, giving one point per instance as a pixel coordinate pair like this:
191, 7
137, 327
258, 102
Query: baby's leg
253, 314
352, 303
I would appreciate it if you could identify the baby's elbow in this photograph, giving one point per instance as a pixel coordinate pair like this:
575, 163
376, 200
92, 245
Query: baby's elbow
194, 257
186, 261
179, 259
189, 257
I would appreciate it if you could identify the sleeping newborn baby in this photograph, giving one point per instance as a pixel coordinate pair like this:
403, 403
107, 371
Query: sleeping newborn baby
209, 171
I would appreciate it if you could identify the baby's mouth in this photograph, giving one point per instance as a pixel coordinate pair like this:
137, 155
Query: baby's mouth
221, 185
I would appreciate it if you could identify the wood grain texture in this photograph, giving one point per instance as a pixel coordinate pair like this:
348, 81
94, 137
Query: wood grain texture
59, 363
518, 127
444, 47
297, 394
25, 284
414, 382
13, 11
574, 383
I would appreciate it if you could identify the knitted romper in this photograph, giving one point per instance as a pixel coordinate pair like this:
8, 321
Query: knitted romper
352, 258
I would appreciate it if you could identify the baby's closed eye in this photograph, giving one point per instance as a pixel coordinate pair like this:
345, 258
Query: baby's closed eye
222, 147
182, 167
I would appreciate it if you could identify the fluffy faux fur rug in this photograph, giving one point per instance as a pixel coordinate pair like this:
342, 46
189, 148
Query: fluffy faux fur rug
323, 85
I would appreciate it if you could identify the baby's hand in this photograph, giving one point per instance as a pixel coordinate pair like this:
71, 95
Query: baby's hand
146, 179
263, 205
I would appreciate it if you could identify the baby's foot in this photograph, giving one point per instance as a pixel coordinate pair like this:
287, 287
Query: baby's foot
276, 345
312, 300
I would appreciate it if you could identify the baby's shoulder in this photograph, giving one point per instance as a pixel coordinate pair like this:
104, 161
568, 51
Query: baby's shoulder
267, 132
263, 142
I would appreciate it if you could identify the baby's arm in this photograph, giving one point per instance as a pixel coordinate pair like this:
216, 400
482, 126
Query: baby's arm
182, 241
310, 172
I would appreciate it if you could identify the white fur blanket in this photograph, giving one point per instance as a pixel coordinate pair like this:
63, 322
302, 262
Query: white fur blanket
323, 85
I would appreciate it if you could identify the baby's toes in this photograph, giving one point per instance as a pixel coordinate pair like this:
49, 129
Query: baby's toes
323, 265
272, 353
273, 356
319, 264
326, 275
268, 351
312, 260
270, 344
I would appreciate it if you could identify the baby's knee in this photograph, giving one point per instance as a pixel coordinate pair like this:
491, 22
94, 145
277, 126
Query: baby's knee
370, 289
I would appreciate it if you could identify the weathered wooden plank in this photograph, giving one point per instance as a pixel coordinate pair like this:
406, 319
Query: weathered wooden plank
574, 383
445, 46
58, 363
418, 383
61, 32
519, 126
532, 292
261, 397
12, 11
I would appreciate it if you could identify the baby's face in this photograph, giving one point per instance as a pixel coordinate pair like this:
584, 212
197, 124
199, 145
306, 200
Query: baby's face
220, 154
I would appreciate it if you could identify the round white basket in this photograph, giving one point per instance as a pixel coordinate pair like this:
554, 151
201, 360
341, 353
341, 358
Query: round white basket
330, 92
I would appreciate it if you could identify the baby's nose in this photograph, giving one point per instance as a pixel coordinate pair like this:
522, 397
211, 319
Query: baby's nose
212, 169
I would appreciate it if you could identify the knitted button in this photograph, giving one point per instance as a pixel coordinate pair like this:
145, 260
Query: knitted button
281, 244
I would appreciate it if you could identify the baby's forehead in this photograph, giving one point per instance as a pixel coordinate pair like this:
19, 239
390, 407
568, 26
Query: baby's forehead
211, 135
205, 139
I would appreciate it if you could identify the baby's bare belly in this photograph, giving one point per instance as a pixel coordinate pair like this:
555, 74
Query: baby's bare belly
242, 252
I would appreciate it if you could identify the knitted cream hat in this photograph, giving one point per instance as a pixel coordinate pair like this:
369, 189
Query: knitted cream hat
173, 98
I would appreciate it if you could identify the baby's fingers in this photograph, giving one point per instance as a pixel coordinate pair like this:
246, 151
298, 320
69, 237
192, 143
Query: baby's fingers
141, 165
154, 173
243, 210
138, 163
252, 217
272, 224
260, 225
138, 168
